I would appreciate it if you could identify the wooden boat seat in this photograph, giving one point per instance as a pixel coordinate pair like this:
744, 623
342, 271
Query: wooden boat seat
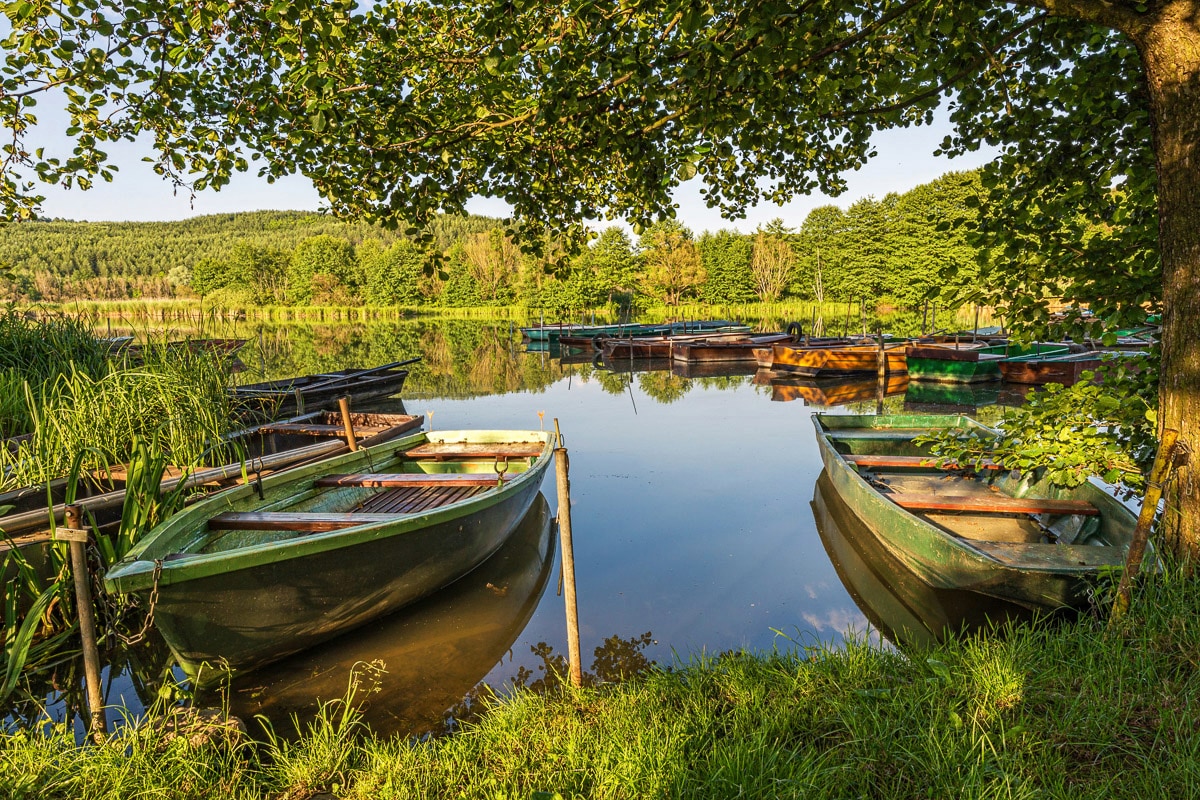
995, 504
883, 433
319, 430
441, 452
1052, 556
927, 462
307, 522
393, 480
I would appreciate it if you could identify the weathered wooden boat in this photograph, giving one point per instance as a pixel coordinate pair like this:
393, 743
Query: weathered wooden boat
260, 450
312, 392
966, 362
554, 332
901, 606
1064, 368
618, 348
816, 362
262, 571
1014, 537
828, 392
726, 350
764, 357
433, 652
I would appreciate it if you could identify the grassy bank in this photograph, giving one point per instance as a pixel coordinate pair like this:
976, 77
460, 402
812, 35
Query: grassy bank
1070, 711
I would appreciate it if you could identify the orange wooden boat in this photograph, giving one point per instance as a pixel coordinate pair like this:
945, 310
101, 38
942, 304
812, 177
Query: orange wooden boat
829, 361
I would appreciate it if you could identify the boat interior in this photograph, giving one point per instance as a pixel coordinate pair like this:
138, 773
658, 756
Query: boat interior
998, 511
421, 479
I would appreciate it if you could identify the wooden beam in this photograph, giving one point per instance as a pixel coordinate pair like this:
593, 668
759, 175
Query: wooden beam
927, 462
996, 504
398, 479
465, 450
306, 522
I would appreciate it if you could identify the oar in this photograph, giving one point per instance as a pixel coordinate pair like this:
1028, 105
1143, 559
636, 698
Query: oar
359, 374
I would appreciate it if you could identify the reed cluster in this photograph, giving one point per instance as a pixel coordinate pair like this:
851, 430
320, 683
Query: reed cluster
177, 401
1079, 709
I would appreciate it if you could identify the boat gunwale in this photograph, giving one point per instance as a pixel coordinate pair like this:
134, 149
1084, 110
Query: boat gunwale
134, 573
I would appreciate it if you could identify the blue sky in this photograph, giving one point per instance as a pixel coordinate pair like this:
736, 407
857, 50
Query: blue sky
905, 160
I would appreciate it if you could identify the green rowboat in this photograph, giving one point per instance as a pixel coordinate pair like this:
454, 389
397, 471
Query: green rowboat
992, 532
969, 363
268, 569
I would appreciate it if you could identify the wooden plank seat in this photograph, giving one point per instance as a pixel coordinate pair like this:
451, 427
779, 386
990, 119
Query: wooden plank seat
307, 522
995, 504
439, 451
881, 433
392, 480
928, 462
319, 430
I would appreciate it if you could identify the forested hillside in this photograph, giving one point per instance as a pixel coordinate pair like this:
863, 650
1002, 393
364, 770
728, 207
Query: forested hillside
899, 247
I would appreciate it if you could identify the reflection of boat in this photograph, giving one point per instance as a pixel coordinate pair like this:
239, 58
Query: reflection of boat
629, 365
897, 602
930, 396
310, 392
714, 369
433, 652
833, 391
265, 570
819, 362
992, 532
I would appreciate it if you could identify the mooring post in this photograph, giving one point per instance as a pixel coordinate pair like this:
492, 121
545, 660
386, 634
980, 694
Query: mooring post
881, 373
562, 467
76, 535
347, 423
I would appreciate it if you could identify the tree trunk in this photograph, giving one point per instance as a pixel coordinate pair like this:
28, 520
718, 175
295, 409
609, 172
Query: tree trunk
1169, 44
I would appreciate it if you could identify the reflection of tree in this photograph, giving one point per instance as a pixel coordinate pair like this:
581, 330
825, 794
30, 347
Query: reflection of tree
613, 382
663, 386
614, 661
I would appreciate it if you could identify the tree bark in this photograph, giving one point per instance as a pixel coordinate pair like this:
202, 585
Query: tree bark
1168, 38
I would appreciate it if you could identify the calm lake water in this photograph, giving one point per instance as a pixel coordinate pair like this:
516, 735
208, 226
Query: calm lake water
698, 522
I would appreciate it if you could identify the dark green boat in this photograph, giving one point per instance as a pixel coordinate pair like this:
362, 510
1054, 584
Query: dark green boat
991, 531
256, 573
969, 363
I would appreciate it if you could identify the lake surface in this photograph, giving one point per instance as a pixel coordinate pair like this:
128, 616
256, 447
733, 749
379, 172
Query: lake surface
695, 512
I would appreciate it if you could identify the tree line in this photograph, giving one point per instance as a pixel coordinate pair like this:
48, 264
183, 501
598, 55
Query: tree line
902, 247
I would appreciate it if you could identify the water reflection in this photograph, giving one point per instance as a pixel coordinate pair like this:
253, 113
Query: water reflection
828, 392
431, 654
902, 607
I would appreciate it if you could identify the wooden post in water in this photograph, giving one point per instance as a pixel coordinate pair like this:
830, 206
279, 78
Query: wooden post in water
347, 423
562, 467
881, 373
77, 536
1164, 461
925, 318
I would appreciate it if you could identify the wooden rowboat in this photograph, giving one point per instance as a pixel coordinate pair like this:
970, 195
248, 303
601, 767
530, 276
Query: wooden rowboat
817, 362
312, 392
1011, 537
968, 363
621, 348
1064, 368
738, 350
261, 571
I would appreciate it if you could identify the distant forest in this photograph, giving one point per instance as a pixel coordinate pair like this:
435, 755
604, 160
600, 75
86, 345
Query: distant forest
902, 247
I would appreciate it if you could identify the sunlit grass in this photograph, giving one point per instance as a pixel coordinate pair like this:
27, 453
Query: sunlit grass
1071, 710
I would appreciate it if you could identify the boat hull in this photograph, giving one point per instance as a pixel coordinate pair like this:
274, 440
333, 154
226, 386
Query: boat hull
827, 362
